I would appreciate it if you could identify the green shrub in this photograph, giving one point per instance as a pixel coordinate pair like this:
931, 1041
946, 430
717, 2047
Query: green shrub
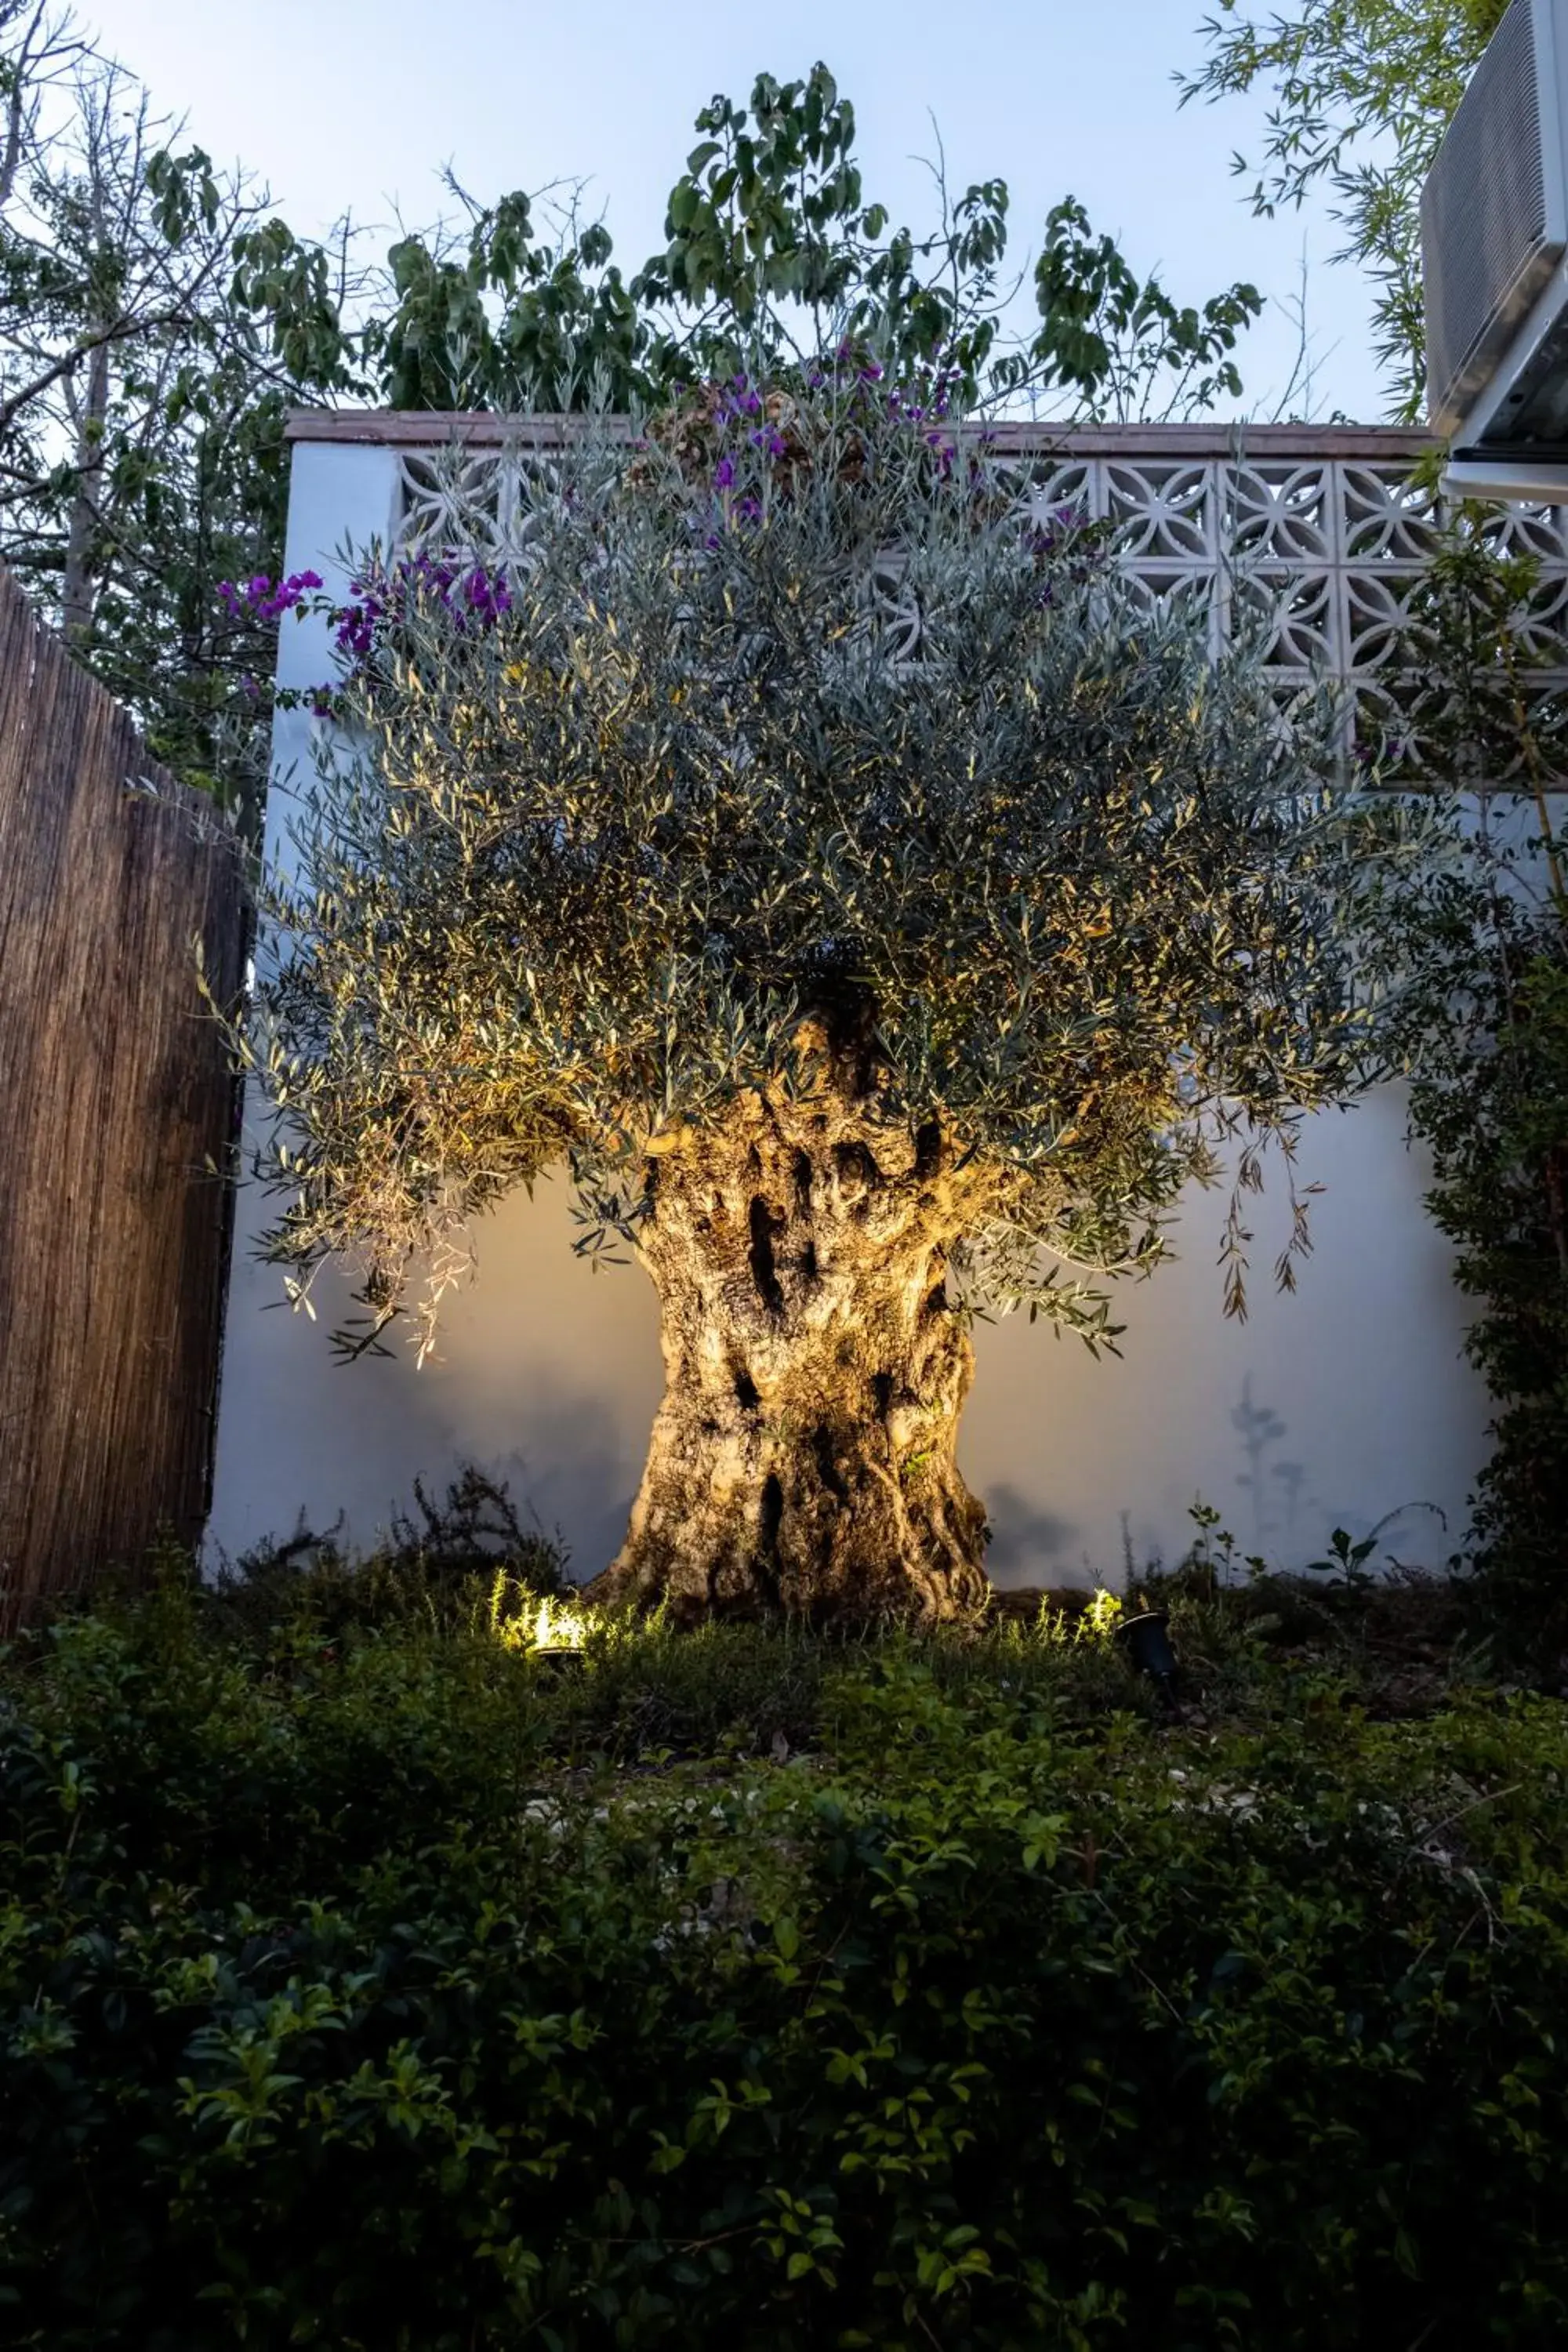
389, 1992
1476, 944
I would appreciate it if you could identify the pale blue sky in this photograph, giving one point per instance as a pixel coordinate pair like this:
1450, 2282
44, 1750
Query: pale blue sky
354, 104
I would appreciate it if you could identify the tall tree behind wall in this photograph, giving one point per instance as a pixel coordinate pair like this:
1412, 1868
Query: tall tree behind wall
156, 323
1361, 92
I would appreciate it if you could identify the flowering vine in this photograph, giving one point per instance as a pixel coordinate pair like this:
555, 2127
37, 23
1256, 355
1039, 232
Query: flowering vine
735, 442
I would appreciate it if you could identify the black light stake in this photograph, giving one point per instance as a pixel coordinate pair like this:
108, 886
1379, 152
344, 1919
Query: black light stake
1150, 1653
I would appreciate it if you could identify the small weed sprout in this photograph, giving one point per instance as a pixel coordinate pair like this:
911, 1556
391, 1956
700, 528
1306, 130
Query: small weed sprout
521, 1620
1101, 1618
1065, 1629
1213, 1552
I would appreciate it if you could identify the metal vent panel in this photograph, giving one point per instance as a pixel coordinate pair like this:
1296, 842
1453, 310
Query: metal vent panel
1486, 226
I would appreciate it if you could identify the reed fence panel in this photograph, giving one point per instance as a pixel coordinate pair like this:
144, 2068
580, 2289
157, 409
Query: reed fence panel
118, 1126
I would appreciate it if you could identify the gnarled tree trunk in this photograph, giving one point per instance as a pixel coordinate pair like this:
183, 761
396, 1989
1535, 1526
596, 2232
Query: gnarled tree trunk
803, 1457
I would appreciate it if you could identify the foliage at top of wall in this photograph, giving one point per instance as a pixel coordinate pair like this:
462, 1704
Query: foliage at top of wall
776, 254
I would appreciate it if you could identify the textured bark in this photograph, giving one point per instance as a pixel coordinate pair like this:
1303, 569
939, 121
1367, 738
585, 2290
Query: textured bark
803, 1457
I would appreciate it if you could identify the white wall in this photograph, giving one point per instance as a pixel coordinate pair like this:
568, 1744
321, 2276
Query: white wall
1335, 1407
341, 496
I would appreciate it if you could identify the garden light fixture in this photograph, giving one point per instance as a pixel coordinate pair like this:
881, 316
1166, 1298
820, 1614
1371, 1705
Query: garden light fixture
1148, 1648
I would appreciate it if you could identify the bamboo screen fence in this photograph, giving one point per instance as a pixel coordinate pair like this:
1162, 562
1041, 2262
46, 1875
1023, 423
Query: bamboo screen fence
117, 1106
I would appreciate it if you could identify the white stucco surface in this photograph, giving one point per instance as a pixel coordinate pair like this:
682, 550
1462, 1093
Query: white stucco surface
1337, 1406
1330, 1407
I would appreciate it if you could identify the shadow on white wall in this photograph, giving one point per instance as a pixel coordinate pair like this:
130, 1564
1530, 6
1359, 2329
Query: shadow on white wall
1337, 1406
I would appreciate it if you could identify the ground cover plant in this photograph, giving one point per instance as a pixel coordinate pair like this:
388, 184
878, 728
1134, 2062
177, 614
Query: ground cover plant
368, 1979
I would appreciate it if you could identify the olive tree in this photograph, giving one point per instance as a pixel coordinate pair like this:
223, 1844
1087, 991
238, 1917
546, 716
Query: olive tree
880, 910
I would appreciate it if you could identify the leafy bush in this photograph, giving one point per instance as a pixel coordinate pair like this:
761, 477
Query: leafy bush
1478, 944
389, 1989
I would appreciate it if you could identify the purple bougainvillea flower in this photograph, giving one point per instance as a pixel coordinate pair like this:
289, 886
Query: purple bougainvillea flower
265, 602
356, 630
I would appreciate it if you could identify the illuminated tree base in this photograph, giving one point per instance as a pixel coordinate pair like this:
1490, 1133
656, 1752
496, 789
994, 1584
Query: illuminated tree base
803, 1459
